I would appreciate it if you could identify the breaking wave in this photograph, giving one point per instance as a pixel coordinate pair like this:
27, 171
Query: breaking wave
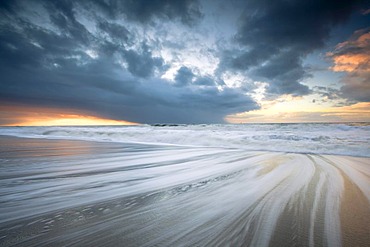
343, 139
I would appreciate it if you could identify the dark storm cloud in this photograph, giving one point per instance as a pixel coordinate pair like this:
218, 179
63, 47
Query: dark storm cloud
284, 71
276, 35
186, 77
62, 14
144, 11
187, 11
109, 58
117, 32
141, 63
110, 72
149, 101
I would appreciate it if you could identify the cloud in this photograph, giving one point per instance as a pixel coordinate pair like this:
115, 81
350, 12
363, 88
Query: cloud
104, 66
205, 81
141, 62
353, 57
156, 61
366, 12
184, 76
62, 14
328, 93
117, 32
143, 11
275, 36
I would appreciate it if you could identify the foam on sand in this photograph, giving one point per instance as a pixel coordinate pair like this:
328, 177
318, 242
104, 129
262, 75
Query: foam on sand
106, 194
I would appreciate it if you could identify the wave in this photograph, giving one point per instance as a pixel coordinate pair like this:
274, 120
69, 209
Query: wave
342, 139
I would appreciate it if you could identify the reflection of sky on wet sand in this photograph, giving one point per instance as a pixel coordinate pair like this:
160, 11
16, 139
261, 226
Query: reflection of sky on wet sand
12, 147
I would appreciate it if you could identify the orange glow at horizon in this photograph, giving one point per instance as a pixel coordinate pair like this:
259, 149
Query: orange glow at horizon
29, 116
290, 113
72, 120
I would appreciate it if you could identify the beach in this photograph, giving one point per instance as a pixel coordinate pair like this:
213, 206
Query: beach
65, 191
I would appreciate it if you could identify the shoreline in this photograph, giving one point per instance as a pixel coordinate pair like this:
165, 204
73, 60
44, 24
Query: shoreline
108, 142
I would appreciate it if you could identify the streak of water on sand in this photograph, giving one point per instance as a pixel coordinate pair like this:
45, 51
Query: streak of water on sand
107, 194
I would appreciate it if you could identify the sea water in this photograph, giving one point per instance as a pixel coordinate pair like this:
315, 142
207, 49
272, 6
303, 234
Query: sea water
317, 138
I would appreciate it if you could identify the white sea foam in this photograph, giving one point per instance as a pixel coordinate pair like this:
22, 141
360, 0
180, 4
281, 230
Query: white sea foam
58, 193
343, 139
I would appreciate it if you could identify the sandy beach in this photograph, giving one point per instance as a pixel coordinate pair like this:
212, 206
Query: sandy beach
79, 193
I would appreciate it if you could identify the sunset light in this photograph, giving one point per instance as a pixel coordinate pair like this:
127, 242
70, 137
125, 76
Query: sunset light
71, 120
42, 116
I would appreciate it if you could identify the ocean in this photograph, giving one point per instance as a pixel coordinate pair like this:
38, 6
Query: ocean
186, 185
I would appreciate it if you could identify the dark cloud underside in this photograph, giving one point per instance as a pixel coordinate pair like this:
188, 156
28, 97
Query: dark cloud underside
277, 35
109, 73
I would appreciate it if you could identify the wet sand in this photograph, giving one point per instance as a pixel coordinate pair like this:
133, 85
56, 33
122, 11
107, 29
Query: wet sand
78, 193
355, 216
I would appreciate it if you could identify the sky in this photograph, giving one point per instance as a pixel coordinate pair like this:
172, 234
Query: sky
184, 61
